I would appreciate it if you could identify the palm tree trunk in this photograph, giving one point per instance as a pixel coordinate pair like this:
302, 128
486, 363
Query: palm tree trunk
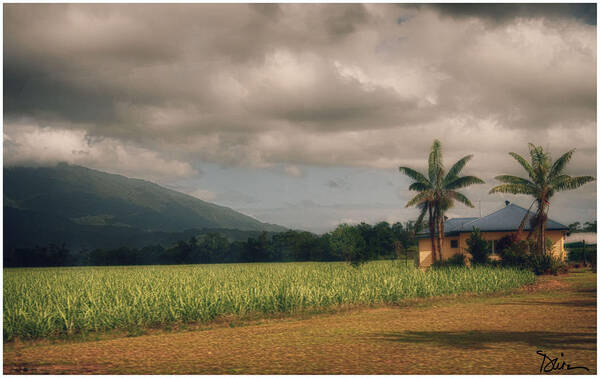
432, 235
519, 232
544, 235
540, 226
440, 234
436, 217
543, 228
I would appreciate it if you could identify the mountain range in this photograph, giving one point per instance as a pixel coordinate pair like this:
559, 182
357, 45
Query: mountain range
87, 208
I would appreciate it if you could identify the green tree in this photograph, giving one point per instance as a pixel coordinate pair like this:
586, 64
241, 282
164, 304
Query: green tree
347, 243
575, 227
383, 240
211, 247
545, 178
590, 226
437, 192
478, 248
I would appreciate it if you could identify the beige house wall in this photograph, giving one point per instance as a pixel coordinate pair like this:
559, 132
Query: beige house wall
425, 258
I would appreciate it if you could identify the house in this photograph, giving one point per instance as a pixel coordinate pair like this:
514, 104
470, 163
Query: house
493, 227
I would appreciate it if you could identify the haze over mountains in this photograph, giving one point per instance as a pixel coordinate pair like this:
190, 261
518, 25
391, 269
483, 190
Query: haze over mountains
86, 208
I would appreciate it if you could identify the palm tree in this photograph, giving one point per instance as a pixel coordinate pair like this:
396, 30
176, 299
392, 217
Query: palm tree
437, 193
545, 178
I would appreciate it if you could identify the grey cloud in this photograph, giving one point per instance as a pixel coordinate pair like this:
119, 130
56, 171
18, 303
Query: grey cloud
338, 183
230, 197
294, 84
346, 19
507, 12
269, 11
333, 184
237, 198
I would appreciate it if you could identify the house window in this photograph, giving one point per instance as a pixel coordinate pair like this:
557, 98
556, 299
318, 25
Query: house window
454, 243
493, 247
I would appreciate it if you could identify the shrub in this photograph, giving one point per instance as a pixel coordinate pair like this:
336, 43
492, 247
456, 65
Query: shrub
545, 263
516, 254
576, 254
478, 248
505, 242
457, 260
524, 254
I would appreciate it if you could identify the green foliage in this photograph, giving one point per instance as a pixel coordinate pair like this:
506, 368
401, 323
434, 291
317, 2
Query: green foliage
575, 227
505, 242
62, 301
575, 254
347, 243
544, 263
524, 254
257, 250
516, 254
589, 226
218, 247
456, 260
478, 248
51, 255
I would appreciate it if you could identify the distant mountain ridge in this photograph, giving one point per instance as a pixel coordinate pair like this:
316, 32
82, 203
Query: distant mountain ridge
69, 199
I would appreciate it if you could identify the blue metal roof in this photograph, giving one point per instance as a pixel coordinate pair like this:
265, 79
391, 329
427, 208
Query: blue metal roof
456, 224
506, 219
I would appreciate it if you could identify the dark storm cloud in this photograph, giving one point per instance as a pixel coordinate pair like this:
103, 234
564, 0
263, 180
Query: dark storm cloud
291, 84
37, 93
269, 11
585, 12
345, 20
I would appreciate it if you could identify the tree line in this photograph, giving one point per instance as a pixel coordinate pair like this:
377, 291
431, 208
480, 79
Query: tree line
586, 227
351, 243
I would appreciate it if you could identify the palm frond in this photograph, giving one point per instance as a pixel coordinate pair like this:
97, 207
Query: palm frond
419, 198
444, 204
418, 187
573, 183
462, 182
560, 164
559, 181
512, 189
537, 155
524, 163
559, 178
540, 162
461, 198
436, 166
415, 175
457, 168
422, 214
508, 179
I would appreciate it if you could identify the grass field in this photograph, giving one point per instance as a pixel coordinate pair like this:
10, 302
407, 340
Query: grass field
49, 302
498, 333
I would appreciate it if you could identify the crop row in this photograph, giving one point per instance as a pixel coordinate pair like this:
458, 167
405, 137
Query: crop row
41, 302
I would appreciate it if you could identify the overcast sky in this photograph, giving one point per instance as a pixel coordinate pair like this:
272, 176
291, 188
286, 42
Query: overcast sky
300, 114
